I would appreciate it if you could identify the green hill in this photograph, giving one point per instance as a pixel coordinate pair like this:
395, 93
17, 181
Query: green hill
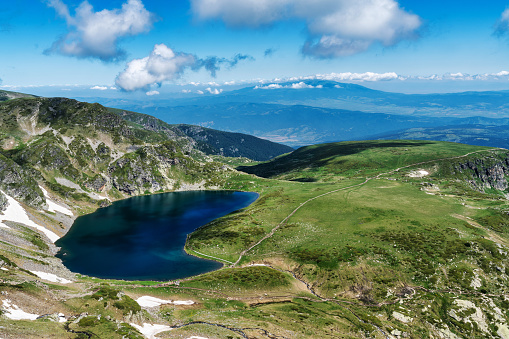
373, 223
8, 95
335, 161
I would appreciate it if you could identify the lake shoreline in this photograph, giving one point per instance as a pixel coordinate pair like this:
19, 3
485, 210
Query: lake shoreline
211, 213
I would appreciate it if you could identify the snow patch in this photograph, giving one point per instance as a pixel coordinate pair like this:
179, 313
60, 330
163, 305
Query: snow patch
53, 206
15, 212
51, 277
148, 301
503, 331
151, 330
15, 313
418, 174
401, 317
3, 269
196, 337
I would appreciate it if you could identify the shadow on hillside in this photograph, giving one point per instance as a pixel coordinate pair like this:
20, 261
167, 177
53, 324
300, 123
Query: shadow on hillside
321, 155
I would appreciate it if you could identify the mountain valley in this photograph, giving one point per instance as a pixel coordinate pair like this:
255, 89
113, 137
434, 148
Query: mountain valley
381, 239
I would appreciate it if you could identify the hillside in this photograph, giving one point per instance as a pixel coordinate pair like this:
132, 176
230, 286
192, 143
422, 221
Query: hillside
382, 239
404, 241
8, 95
472, 134
210, 141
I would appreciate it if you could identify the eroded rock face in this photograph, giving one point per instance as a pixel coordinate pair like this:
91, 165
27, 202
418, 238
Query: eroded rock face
19, 184
132, 176
484, 175
97, 183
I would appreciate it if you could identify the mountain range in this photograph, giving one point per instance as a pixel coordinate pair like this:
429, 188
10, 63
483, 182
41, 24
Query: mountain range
315, 111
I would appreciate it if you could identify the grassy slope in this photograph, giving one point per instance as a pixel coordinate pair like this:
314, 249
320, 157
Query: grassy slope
359, 246
368, 242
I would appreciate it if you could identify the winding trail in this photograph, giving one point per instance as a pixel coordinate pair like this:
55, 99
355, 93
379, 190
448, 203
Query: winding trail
285, 220
209, 256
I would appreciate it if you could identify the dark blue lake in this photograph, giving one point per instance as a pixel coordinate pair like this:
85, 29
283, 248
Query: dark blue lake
142, 238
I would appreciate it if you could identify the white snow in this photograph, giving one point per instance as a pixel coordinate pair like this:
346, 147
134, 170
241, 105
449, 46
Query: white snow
150, 331
15, 212
196, 337
53, 206
61, 318
3, 269
418, 174
148, 301
15, 313
51, 277
401, 317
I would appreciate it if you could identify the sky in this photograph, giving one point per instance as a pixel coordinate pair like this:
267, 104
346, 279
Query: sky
136, 48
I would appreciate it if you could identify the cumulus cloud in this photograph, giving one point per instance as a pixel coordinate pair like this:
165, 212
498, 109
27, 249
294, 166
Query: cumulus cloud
150, 93
214, 91
163, 64
101, 88
336, 27
94, 34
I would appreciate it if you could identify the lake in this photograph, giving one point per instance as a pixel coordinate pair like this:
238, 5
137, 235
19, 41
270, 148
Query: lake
143, 238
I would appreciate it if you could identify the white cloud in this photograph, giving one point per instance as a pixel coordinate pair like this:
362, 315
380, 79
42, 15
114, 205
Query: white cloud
96, 34
101, 88
336, 27
161, 65
150, 93
186, 91
348, 76
502, 73
297, 85
199, 92
301, 85
214, 91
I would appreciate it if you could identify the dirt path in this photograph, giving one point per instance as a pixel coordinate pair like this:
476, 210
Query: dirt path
493, 236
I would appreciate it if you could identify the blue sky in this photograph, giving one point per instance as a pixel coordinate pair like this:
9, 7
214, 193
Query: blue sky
138, 45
